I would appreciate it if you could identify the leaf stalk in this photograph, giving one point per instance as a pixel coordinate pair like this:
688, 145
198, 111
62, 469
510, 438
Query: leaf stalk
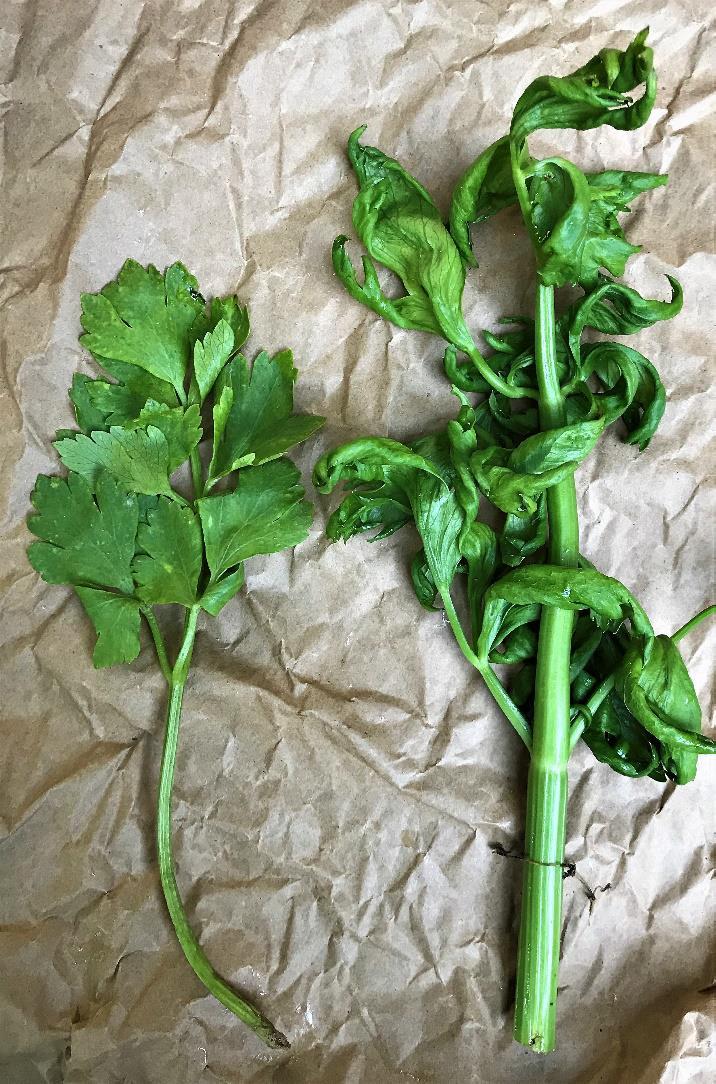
195, 956
545, 830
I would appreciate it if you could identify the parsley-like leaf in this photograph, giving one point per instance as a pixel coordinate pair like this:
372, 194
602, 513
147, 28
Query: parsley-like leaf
228, 309
89, 414
85, 539
181, 428
122, 402
221, 591
210, 356
264, 514
168, 565
138, 458
126, 540
255, 422
145, 318
116, 620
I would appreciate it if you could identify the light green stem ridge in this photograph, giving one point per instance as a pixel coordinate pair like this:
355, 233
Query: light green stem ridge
499, 692
540, 928
158, 643
197, 477
192, 950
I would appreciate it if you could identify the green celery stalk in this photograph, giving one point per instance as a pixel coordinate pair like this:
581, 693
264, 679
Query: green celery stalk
538, 954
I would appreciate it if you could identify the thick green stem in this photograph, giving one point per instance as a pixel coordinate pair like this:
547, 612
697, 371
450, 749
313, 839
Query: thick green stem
191, 948
538, 954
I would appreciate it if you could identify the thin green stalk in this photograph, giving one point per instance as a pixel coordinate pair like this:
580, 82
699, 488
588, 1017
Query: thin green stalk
159, 644
494, 380
538, 954
190, 946
499, 692
197, 476
691, 625
592, 705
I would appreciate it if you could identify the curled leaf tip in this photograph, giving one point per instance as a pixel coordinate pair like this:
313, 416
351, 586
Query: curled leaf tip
322, 480
354, 147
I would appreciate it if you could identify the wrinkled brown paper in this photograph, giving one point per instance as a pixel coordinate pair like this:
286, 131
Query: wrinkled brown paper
342, 773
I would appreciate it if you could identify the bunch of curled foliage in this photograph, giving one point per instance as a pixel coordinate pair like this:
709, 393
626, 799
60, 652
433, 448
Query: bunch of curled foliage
589, 664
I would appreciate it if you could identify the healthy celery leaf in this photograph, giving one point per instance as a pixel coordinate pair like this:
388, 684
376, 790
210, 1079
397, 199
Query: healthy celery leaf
264, 514
145, 318
138, 458
85, 538
254, 420
89, 414
221, 591
122, 402
116, 621
181, 428
228, 309
210, 356
168, 564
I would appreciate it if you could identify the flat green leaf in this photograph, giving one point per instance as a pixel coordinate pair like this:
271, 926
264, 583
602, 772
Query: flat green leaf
116, 621
86, 539
264, 514
89, 416
229, 310
253, 419
223, 402
235, 315
123, 401
145, 319
222, 591
139, 458
168, 564
210, 356
181, 428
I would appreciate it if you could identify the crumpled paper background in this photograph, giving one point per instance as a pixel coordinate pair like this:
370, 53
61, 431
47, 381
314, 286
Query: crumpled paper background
341, 772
